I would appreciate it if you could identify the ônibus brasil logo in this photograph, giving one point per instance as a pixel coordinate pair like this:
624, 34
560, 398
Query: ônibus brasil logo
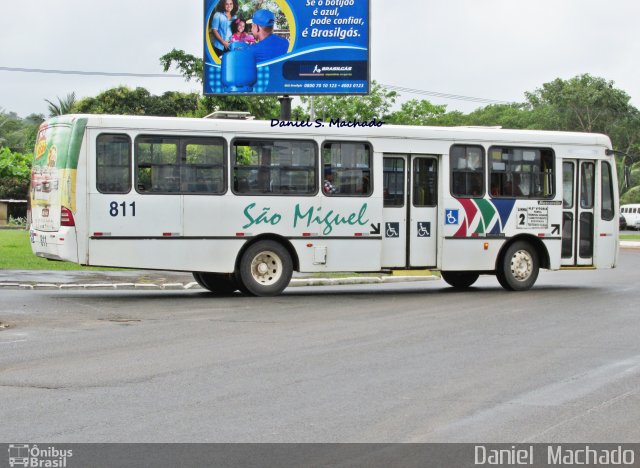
36, 457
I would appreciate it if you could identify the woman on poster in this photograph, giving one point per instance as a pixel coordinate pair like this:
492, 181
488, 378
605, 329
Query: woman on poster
225, 13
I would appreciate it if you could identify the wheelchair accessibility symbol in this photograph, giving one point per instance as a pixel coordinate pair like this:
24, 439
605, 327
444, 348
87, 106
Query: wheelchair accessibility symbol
424, 229
450, 217
392, 230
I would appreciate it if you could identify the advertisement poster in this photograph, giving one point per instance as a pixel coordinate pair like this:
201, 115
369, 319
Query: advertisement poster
53, 176
286, 47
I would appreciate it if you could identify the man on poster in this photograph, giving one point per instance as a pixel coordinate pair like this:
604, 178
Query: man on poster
269, 45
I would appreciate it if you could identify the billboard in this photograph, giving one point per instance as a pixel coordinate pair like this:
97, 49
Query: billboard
286, 47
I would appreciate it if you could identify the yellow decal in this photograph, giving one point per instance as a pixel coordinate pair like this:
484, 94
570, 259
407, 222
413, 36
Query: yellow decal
41, 146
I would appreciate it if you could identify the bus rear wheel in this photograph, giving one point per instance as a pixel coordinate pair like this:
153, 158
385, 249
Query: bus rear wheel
460, 279
519, 267
265, 269
218, 283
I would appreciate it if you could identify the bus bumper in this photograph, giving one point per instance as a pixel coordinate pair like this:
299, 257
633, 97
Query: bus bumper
56, 245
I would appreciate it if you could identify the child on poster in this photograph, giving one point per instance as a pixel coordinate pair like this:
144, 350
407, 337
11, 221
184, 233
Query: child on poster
239, 34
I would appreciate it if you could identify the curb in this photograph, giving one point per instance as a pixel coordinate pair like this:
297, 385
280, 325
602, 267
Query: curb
630, 244
296, 282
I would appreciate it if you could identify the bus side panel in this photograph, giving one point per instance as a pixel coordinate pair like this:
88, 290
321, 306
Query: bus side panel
470, 254
554, 249
326, 255
167, 254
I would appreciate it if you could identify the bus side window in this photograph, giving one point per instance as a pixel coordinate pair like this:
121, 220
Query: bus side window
180, 165
467, 171
274, 167
346, 169
521, 172
113, 163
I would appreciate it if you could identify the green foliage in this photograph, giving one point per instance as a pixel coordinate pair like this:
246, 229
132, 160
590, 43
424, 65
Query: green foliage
248, 7
18, 134
416, 112
584, 103
64, 106
139, 101
374, 105
189, 65
20, 221
14, 164
513, 115
15, 174
631, 196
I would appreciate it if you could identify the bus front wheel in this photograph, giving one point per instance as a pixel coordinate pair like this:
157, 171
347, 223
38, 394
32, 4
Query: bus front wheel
519, 267
460, 279
218, 283
265, 269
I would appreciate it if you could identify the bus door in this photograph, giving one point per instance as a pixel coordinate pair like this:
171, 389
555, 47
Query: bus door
578, 182
409, 229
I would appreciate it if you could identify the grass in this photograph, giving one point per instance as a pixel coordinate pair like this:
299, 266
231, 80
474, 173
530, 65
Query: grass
15, 254
635, 237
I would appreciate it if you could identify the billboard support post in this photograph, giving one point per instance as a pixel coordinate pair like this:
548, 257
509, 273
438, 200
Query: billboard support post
285, 107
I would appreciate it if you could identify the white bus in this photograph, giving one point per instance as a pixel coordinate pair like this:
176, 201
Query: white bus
631, 214
244, 204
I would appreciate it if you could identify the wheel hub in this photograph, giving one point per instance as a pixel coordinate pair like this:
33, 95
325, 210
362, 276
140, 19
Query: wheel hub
521, 265
266, 268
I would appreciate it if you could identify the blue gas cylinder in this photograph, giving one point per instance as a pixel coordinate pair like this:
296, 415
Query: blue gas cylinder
239, 70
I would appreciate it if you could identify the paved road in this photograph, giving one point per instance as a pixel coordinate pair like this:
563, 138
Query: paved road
389, 363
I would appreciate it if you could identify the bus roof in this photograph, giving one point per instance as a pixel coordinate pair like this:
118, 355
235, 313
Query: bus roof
266, 128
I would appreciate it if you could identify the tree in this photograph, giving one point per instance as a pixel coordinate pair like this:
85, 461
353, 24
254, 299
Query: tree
15, 172
583, 103
19, 134
189, 65
139, 101
416, 112
64, 106
514, 115
376, 104
589, 104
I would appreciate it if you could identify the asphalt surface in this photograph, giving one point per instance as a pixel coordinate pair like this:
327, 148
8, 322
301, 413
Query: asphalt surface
406, 362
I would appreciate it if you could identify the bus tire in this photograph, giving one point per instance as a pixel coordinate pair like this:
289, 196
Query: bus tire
217, 283
460, 279
265, 269
519, 267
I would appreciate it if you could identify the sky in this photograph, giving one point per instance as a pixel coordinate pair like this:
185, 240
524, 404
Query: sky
491, 49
